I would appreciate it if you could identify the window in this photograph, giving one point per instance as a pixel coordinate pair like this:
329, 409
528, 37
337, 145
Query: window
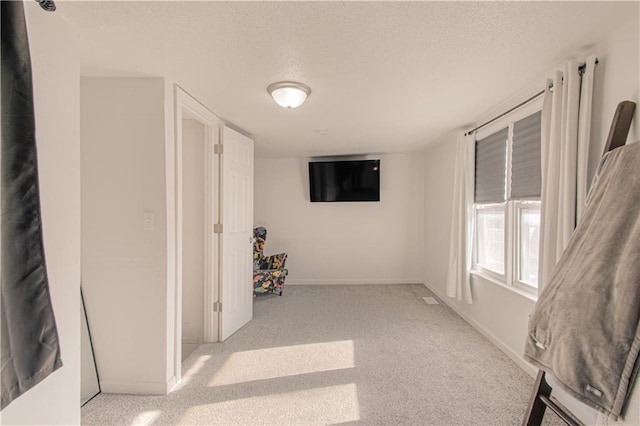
490, 221
507, 202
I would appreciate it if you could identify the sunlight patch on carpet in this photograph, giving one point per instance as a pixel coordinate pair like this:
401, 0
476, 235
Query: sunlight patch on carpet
194, 369
146, 418
327, 405
285, 361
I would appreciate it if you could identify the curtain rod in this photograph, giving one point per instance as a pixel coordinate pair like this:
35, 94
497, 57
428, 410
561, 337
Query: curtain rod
506, 112
47, 5
581, 70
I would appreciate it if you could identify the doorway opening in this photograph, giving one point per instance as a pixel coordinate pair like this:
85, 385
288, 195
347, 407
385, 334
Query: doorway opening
197, 175
193, 235
206, 187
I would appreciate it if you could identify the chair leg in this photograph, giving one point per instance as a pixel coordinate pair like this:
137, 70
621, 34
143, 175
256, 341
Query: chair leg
536, 409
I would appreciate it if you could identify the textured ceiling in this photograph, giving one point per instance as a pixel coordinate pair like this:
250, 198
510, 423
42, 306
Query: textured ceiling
386, 77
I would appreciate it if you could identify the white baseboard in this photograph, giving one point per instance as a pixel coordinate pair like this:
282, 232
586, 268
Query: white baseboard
515, 357
352, 281
136, 388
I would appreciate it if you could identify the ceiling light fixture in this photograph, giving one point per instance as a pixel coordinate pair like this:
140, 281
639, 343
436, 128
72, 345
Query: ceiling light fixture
289, 94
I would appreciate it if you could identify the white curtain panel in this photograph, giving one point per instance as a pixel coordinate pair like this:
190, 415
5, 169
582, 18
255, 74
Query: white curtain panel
564, 143
584, 134
462, 222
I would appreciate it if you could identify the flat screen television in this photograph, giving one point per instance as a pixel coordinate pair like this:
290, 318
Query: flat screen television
345, 180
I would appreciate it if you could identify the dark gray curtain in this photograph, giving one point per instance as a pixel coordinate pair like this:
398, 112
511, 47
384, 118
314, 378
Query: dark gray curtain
30, 347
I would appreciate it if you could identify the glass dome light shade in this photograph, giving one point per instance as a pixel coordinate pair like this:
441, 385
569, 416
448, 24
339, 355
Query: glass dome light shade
289, 94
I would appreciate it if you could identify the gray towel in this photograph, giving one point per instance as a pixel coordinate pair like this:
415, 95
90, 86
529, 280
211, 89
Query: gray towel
584, 328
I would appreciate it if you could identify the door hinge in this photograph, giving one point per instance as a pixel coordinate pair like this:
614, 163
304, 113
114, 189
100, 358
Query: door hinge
217, 306
218, 148
217, 228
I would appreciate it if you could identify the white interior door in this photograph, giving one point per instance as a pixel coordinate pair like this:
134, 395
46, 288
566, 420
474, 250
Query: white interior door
237, 231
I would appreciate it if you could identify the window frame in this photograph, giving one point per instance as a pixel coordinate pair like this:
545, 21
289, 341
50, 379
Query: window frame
511, 208
517, 206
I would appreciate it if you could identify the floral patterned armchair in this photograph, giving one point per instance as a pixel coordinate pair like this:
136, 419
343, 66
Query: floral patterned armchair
268, 271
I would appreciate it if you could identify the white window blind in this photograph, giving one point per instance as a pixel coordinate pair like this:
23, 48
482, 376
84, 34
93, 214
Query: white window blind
525, 158
491, 157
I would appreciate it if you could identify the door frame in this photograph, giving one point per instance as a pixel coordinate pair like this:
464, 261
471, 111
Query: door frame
187, 107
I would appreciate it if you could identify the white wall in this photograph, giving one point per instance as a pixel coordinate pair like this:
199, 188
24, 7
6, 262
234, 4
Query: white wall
124, 266
501, 314
193, 158
343, 243
56, 400
617, 79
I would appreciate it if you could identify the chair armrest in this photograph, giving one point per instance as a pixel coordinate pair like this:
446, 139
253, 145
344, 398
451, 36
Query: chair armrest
275, 261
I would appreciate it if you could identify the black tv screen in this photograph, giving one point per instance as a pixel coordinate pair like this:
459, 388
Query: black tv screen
331, 181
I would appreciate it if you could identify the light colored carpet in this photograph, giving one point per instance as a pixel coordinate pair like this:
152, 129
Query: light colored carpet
339, 354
